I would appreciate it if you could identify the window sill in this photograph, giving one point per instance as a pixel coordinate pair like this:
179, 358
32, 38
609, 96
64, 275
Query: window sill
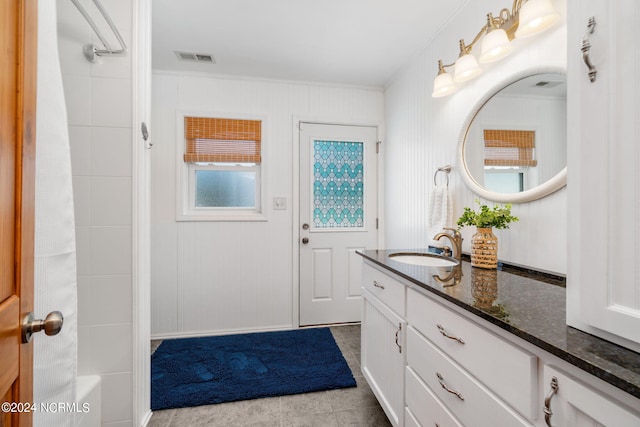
221, 217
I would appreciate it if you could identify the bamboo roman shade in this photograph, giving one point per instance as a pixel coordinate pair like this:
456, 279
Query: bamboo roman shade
509, 147
213, 140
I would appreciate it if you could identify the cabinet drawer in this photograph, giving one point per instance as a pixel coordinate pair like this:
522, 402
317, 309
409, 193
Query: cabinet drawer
475, 406
386, 289
423, 406
506, 369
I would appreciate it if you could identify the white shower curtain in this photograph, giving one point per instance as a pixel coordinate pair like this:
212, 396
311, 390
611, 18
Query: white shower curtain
55, 358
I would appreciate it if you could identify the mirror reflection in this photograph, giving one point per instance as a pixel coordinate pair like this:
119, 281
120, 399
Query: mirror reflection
517, 140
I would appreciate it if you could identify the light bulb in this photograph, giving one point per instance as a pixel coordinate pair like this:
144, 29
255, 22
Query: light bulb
535, 17
495, 46
466, 68
443, 85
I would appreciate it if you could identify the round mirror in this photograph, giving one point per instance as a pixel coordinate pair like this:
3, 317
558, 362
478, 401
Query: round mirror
514, 148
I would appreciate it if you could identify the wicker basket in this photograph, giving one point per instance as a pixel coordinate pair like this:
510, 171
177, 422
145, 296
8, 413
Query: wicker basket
484, 249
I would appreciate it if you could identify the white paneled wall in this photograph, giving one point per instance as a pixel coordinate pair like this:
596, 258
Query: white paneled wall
99, 104
214, 277
423, 133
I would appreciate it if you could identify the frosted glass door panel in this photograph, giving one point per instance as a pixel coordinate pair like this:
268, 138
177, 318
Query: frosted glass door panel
338, 186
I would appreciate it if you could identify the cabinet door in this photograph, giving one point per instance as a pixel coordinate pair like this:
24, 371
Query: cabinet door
575, 404
383, 355
603, 175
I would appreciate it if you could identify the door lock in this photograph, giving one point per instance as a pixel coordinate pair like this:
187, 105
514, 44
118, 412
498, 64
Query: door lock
52, 325
305, 226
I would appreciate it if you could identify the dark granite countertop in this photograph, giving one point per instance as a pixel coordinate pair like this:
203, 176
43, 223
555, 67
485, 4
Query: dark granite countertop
524, 303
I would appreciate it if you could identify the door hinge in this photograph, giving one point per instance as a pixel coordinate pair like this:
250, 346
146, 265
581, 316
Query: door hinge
377, 223
378, 146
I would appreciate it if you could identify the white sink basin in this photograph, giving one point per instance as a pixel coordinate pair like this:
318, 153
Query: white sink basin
427, 260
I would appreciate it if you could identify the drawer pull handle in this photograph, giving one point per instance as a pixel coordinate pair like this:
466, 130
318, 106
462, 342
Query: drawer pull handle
444, 386
446, 334
378, 285
398, 337
547, 401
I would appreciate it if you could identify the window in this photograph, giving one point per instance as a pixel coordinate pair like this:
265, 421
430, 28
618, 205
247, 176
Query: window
507, 156
221, 172
509, 148
505, 180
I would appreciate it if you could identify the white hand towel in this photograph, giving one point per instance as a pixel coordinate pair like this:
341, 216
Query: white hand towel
440, 213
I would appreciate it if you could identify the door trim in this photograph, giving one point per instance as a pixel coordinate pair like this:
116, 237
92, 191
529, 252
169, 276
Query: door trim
25, 228
295, 195
140, 228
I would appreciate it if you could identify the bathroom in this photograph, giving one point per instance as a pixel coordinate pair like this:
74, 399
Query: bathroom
137, 260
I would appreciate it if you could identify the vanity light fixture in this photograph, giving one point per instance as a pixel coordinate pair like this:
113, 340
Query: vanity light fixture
535, 17
466, 66
443, 85
495, 44
526, 18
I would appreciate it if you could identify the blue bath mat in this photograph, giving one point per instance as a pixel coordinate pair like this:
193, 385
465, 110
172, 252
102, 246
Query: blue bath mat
202, 371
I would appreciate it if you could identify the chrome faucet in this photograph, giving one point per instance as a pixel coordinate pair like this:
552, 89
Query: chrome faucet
456, 241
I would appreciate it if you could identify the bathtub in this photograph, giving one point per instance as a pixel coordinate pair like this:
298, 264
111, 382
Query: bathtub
89, 390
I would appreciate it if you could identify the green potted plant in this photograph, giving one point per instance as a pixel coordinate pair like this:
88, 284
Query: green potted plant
484, 244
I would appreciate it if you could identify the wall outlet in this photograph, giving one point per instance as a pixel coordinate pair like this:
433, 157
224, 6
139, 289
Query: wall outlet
279, 203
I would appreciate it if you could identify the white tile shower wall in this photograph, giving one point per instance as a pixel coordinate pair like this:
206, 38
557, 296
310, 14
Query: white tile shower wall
209, 277
99, 104
423, 134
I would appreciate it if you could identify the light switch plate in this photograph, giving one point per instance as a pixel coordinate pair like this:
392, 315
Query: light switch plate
279, 203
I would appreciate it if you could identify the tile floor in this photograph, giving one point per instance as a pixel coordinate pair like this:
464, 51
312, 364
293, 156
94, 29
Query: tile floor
346, 407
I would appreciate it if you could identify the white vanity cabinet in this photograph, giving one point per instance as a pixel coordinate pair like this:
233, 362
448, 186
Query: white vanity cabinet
432, 363
509, 371
383, 354
406, 370
476, 375
603, 176
572, 403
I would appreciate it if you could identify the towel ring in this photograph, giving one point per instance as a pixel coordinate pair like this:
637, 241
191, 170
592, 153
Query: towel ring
445, 169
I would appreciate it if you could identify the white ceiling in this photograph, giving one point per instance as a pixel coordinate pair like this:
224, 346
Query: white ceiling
361, 42
556, 86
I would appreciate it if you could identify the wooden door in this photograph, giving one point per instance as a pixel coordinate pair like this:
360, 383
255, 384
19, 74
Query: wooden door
338, 216
18, 26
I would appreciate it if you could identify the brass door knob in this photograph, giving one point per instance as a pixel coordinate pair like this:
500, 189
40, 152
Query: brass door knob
305, 240
52, 325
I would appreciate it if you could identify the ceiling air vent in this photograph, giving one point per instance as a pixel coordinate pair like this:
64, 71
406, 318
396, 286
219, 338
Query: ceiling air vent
547, 84
196, 57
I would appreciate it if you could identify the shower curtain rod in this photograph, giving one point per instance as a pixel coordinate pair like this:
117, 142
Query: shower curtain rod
90, 50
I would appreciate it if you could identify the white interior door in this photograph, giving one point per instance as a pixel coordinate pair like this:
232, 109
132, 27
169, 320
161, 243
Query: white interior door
338, 216
603, 289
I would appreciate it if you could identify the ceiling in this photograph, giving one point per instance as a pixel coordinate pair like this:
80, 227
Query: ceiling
362, 42
551, 85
